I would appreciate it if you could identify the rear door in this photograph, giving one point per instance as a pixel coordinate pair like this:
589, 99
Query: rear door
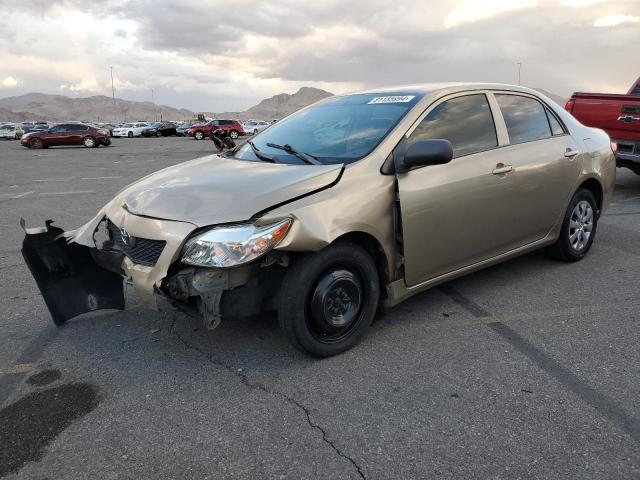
55, 135
544, 162
75, 134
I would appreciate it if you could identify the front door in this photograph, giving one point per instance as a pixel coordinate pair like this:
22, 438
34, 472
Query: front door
453, 214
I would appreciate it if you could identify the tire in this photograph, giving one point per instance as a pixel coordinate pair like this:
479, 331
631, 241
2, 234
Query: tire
328, 299
130, 134
255, 131
89, 142
234, 134
158, 134
578, 228
198, 135
36, 143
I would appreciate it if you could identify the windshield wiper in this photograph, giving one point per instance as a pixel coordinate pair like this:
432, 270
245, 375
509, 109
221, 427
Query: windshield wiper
310, 159
262, 156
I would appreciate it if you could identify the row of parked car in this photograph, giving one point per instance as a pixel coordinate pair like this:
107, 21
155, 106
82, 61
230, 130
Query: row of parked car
41, 135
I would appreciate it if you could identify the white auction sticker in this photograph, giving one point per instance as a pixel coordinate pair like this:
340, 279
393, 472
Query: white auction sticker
392, 99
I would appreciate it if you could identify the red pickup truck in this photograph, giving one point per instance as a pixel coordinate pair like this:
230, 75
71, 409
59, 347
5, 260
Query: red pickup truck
618, 115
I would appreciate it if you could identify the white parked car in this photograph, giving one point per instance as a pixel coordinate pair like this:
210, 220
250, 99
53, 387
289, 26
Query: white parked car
130, 130
255, 126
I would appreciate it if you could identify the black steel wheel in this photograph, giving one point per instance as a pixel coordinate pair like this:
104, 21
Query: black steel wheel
328, 299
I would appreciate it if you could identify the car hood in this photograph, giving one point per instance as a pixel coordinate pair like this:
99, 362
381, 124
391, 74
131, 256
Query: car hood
213, 189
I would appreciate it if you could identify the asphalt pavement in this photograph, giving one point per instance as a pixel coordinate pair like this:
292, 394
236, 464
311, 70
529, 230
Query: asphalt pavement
530, 369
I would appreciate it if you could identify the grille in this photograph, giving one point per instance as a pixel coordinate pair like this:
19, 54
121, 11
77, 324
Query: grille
139, 250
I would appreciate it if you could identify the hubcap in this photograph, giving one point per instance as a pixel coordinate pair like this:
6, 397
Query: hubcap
581, 225
336, 304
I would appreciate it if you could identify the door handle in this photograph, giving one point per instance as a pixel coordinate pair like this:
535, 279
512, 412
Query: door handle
502, 169
570, 153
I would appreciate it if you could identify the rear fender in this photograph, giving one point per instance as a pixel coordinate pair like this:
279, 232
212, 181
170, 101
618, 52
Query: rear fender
69, 279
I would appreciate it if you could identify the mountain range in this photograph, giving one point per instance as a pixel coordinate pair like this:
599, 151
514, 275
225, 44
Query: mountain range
100, 108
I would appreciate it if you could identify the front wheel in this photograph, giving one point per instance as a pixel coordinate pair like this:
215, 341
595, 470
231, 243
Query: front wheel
130, 134
234, 134
578, 228
328, 299
89, 142
198, 135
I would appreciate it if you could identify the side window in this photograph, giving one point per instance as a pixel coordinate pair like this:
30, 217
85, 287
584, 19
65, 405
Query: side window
59, 129
466, 122
556, 127
525, 118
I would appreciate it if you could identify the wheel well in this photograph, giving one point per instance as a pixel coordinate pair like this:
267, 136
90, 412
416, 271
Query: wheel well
595, 188
373, 247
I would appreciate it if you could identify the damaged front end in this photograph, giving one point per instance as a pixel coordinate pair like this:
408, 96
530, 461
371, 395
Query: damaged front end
86, 270
70, 280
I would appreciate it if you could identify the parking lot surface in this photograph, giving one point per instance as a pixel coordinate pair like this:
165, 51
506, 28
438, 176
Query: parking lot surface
530, 369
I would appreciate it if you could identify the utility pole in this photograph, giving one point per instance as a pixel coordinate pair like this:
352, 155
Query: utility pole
155, 116
113, 94
519, 73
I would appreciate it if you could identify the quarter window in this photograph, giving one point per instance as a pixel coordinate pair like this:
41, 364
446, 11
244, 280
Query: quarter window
525, 118
465, 121
556, 127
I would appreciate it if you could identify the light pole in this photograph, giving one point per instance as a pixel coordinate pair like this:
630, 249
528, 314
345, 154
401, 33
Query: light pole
519, 72
113, 94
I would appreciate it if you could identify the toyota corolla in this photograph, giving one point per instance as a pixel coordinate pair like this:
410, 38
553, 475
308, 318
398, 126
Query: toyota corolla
355, 202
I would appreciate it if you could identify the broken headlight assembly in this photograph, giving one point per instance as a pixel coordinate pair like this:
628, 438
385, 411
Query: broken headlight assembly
230, 246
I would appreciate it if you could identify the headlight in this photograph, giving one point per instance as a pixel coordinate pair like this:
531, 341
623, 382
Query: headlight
233, 245
103, 132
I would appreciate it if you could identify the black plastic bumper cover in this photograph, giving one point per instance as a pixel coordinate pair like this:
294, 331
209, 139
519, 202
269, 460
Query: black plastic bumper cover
68, 277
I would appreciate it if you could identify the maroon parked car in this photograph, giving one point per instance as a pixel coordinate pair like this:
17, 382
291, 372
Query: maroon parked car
202, 131
67, 134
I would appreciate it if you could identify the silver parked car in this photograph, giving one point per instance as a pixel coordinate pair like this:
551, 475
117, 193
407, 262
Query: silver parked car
354, 202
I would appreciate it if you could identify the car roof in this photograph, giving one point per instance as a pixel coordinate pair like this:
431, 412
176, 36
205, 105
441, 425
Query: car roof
448, 87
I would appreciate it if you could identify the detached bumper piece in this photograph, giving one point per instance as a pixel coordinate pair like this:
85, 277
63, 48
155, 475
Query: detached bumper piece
67, 275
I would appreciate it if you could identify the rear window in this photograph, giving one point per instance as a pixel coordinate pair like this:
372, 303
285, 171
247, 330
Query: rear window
525, 118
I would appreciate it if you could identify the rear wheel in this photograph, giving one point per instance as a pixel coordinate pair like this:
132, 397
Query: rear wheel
255, 131
158, 133
329, 299
578, 228
89, 142
36, 143
198, 135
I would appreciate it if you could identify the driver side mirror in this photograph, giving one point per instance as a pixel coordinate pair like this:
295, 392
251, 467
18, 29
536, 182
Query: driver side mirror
425, 152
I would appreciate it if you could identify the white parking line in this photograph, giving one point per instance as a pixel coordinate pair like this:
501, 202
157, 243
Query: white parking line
79, 192
22, 194
64, 179
100, 178
13, 196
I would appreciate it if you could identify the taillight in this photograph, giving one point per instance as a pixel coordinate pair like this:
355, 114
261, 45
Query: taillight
569, 106
614, 147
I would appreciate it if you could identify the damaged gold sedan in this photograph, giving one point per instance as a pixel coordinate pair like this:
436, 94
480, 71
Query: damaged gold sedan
356, 201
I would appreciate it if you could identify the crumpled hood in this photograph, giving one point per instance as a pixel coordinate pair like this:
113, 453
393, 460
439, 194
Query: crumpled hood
213, 189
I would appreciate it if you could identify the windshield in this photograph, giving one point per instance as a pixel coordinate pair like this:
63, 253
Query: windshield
338, 130
126, 125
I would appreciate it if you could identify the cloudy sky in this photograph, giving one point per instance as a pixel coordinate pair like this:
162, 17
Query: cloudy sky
211, 55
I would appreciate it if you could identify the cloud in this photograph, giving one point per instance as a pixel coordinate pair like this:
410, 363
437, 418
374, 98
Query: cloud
10, 82
473, 11
615, 20
221, 56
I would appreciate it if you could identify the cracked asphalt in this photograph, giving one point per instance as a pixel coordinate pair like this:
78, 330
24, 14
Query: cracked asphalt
529, 369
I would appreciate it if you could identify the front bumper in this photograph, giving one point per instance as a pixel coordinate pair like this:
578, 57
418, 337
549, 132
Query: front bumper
77, 272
